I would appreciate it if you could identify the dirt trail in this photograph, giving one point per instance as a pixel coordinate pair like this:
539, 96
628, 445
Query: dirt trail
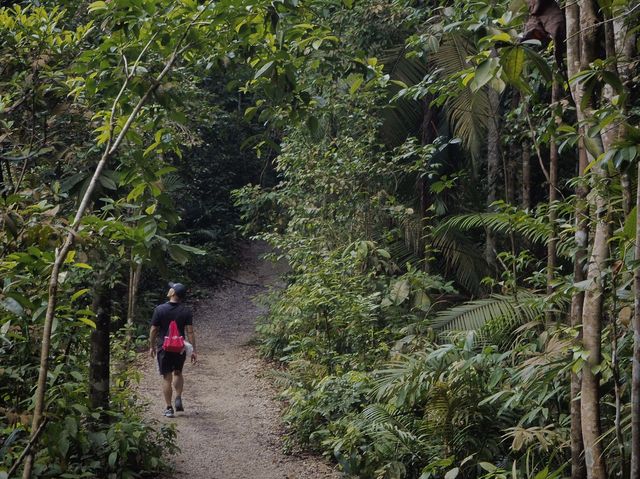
231, 426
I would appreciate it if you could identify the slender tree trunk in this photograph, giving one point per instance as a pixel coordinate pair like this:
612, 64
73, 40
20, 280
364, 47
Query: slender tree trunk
578, 470
526, 175
553, 197
100, 350
591, 340
635, 369
627, 199
134, 283
493, 168
110, 148
572, 16
626, 44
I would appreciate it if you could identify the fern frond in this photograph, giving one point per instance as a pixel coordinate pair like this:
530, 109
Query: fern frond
530, 227
490, 316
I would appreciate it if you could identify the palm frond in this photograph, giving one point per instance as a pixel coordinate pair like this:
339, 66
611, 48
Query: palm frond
462, 257
469, 112
172, 182
404, 117
494, 318
533, 226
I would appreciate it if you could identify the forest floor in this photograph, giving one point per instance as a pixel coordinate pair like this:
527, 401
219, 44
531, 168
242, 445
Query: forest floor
231, 427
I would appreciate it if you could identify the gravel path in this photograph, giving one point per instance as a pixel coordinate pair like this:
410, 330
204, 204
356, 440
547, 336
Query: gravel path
231, 426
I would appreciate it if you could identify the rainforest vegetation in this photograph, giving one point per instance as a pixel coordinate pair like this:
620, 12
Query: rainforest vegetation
454, 184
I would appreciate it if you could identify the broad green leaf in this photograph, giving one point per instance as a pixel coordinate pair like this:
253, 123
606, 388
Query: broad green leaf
78, 294
107, 182
136, 192
452, 473
513, 64
630, 223
82, 265
87, 321
483, 75
501, 37
5, 328
96, 6
399, 291
356, 81
12, 306
178, 254
264, 70
487, 466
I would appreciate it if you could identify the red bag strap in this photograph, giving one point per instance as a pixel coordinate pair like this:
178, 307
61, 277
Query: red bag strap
173, 328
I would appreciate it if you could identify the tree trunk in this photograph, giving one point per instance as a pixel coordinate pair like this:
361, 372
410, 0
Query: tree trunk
100, 350
493, 168
526, 175
574, 54
110, 148
591, 340
553, 197
578, 470
132, 294
635, 369
627, 199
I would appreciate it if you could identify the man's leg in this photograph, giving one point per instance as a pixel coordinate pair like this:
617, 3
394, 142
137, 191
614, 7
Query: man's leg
166, 389
178, 382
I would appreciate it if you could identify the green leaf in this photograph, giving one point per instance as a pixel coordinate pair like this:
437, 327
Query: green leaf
150, 228
356, 81
539, 62
136, 192
87, 321
82, 265
501, 37
63, 444
191, 249
483, 75
264, 70
78, 294
12, 306
399, 291
178, 254
107, 182
513, 64
113, 457
630, 223
452, 474
487, 466
97, 6
5, 328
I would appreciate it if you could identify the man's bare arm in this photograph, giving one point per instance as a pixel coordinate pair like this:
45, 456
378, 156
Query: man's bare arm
153, 335
192, 339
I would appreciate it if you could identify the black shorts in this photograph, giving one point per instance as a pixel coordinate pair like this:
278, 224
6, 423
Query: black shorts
169, 362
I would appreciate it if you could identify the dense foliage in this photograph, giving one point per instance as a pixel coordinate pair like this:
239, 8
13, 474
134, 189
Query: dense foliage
144, 86
451, 182
431, 325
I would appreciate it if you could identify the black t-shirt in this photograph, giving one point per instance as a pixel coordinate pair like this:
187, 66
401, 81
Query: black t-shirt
167, 312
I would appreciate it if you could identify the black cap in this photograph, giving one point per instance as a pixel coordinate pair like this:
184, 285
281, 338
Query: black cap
178, 288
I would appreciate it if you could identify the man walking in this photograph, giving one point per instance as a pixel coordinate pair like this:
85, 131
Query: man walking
170, 364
